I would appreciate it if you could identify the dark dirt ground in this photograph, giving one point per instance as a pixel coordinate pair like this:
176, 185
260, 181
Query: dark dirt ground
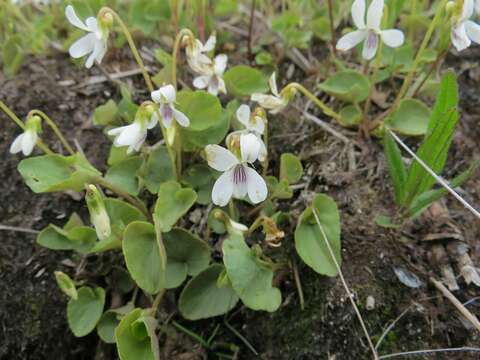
32, 310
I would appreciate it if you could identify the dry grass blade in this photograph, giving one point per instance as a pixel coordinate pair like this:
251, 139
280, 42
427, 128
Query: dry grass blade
18, 229
347, 289
429, 352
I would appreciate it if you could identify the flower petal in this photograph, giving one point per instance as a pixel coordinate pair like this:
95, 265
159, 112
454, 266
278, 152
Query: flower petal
213, 87
374, 14
210, 44
16, 146
262, 153
467, 10
83, 46
272, 82
153, 121
166, 93
459, 37
220, 63
92, 24
181, 118
130, 135
28, 142
223, 189
350, 40
240, 187
473, 31
358, 13
393, 38
221, 86
116, 131
243, 114
73, 18
97, 54
220, 158
257, 188
249, 147
201, 82
370, 46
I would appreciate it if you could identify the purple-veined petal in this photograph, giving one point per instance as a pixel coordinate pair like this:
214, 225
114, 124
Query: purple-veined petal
240, 187
370, 46
257, 188
166, 94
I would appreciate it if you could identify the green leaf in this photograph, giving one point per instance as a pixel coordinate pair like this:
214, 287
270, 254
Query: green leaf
117, 155
201, 178
105, 114
126, 107
66, 284
351, 116
386, 222
291, 169
173, 202
243, 80
135, 338
157, 169
411, 118
422, 201
396, 168
187, 254
212, 135
203, 298
203, 109
84, 312
347, 85
434, 149
309, 240
106, 327
144, 256
124, 175
80, 238
251, 277
278, 189
49, 173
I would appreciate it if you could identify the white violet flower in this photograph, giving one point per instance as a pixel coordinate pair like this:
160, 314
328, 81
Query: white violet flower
238, 179
94, 43
134, 135
166, 97
197, 57
212, 77
25, 142
369, 32
464, 30
274, 103
254, 124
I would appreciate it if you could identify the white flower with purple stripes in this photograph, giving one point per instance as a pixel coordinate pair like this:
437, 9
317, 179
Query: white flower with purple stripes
238, 179
370, 31
166, 97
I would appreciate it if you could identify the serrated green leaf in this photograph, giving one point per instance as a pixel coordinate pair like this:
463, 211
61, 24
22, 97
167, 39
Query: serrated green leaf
203, 298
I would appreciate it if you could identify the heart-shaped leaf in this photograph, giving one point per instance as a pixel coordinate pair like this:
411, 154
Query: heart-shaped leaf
124, 175
351, 116
291, 169
203, 298
411, 118
173, 202
80, 238
243, 80
309, 240
84, 312
50, 173
144, 256
192, 140
347, 85
251, 277
203, 109
187, 254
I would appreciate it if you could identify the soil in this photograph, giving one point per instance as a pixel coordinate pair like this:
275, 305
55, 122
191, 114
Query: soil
32, 309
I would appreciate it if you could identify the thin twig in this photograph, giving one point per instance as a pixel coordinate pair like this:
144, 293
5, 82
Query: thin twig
429, 351
240, 336
390, 327
298, 283
347, 289
440, 180
250, 30
460, 307
18, 229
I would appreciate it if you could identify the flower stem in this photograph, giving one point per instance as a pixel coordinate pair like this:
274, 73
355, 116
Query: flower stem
157, 301
326, 109
265, 141
176, 48
332, 28
20, 123
54, 127
376, 67
131, 199
132, 45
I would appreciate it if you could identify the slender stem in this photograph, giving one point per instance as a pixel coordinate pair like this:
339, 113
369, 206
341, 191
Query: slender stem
347, 289
250, 29
176, 48
193, 335
20, 123
327, 110
376, 67
201, 20
440, 57
55, 129
332, 28
437, 178
265, 141
157, 301
132, 200
132, 45
408, 80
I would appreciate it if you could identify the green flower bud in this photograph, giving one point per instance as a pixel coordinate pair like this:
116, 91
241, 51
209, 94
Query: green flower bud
98, 213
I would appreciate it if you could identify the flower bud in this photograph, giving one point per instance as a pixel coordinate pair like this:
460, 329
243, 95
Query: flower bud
98, 213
